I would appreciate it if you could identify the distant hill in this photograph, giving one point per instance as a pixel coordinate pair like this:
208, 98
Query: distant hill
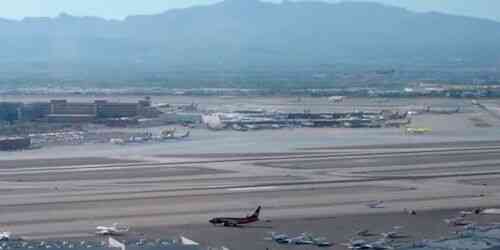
235, 39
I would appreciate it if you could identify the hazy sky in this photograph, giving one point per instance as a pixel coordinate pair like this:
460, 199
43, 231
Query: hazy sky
117, 9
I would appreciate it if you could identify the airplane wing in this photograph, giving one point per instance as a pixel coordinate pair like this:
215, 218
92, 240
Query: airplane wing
5, 235
377, 204
112, 243
103, 231
188, 242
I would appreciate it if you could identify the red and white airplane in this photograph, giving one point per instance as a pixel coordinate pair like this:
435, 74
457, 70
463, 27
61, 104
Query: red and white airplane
234, 222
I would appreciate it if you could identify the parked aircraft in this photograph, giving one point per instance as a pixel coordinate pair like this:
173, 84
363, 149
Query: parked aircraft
5, 236
411, 130
234, 222
280, 238
381, 244
115, 229
469, 212
457, 221
395, 234
320, 241
303, 239
410, 211
309, 239
113, 243
171, 134
355, 244
188, 242
364, 233
376, 204
238, 127
336, 99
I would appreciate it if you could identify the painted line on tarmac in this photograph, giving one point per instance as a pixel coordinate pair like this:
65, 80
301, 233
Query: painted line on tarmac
246, 189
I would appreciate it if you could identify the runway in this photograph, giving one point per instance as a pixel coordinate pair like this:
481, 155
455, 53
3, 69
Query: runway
6, 164
50, 198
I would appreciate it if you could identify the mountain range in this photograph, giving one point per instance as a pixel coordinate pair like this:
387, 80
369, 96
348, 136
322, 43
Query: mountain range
239, 38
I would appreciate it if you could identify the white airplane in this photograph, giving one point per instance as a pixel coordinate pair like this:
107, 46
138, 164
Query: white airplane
5, 236
279, 238
336, 99
188, 242
395, 234
113, 243
115, 229
376, 204
321, 242
457, 222
162, 105
302, 239
381, 244
364, 233
355, 244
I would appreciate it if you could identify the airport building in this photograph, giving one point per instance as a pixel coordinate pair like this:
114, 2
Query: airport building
62, 111
9, 111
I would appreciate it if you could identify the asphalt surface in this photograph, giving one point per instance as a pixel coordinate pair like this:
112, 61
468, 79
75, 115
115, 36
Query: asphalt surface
337, 229
54, 162
109, 173
381, 160
426, 145
69, 198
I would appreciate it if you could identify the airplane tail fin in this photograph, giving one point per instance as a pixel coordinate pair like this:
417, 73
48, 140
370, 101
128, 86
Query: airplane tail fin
257, 212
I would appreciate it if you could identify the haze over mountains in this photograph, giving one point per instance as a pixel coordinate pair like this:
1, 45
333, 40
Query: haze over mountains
247, 41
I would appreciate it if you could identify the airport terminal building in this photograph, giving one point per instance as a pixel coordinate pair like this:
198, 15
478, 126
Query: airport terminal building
62, 111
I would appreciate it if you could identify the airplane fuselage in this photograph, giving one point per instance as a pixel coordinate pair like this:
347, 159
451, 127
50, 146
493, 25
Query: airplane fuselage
227, 221
234, 222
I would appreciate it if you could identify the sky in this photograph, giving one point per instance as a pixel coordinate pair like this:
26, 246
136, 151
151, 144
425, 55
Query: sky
118, 9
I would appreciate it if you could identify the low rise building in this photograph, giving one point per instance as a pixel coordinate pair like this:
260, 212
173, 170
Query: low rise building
62, 111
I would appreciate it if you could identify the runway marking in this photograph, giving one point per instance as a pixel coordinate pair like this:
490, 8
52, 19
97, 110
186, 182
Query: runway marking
90, 169
256, 188
62, 162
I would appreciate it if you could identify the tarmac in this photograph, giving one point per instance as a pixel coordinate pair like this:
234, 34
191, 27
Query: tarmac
70, 199
307, 180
